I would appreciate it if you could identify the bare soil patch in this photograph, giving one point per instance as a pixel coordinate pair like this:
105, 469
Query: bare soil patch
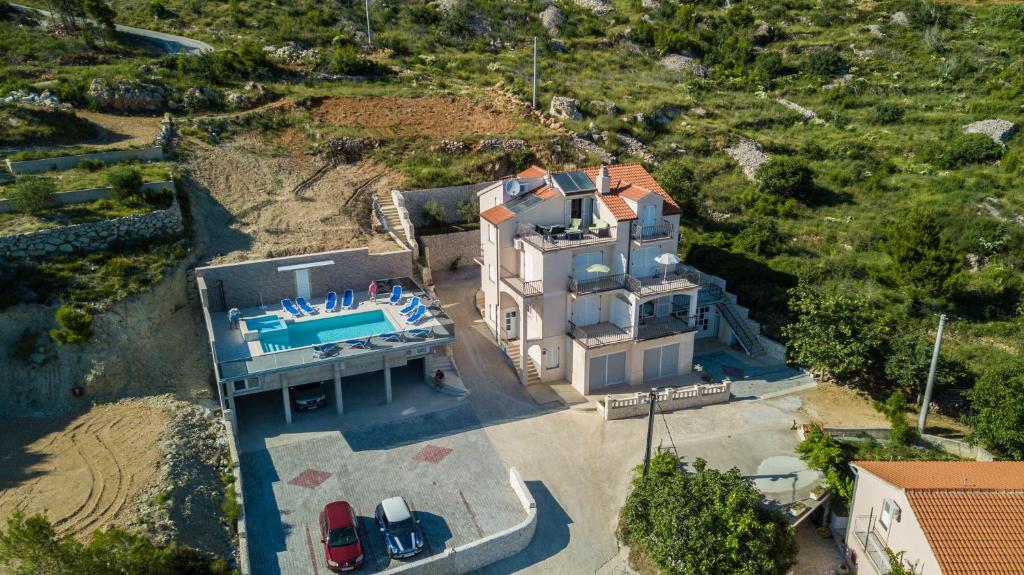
434, 116
123, 131
836, 406
83, 472
246, 209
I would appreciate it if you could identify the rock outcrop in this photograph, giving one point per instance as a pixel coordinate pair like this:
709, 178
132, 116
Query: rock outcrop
252, 94
564, 107
749, 155
126, 96
900, 19
599, 7
552, 19
687, 63
999, 130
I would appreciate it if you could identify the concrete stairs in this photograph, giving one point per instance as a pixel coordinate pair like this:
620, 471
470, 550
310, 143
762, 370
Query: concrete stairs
390, 212
514, 351
746, 329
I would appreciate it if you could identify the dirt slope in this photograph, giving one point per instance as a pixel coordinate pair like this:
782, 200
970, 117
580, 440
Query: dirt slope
434, 116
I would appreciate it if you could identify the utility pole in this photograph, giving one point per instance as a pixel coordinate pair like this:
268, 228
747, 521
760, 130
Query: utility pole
534, 72
652, 399
931, 376
369, 36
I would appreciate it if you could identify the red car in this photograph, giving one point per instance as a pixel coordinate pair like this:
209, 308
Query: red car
339, 532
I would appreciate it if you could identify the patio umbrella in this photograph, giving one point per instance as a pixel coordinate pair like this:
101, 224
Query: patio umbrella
667, 259
598, 269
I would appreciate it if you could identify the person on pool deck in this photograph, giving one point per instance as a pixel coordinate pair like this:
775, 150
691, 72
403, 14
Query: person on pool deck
373, 291
233, 317
438, 378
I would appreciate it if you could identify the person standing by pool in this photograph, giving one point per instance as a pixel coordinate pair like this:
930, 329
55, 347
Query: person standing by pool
373, 291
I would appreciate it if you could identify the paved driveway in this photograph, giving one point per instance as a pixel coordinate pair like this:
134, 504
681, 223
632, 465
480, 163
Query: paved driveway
440, 461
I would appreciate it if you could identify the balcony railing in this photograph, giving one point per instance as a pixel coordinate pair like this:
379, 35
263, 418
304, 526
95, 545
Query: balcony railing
606, 333
681, 277
558, 238
594, 285
519, 285
871, 543
652, 232
655, 327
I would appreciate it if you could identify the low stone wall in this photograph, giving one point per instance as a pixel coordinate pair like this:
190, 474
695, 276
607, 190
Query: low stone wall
59, 163
246, 284
955, 447
449, 198
442, 249
90, 195
93, 236
670, 399
236, 470
482, 552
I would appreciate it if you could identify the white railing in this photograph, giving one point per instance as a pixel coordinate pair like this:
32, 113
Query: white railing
668, 399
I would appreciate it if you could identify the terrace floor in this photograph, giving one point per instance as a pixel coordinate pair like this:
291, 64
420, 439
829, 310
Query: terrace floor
232, 347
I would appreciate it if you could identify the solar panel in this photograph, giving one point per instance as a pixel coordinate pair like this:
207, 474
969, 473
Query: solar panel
573, 182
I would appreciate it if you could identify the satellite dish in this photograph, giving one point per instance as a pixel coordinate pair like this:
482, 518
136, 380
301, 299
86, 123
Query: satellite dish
514, 187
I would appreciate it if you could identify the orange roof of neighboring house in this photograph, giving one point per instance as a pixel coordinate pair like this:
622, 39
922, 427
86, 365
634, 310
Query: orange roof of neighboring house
497, 214
971, 512
532, 172
972, 475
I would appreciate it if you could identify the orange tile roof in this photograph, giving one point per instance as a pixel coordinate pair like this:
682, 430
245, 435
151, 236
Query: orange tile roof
618, 207
973, 532
973, 475
971, 512
636, 175
497, 214
545, 192
533, 172
635, 193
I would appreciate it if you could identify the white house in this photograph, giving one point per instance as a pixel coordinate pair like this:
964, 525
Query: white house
581, 283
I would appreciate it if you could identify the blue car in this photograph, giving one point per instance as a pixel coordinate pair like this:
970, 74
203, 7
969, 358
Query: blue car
402, 532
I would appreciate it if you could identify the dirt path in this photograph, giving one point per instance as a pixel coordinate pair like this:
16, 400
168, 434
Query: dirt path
245, 208
83, 472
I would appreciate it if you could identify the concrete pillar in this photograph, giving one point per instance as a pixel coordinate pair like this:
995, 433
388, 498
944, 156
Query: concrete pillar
232, 413
387, 380
287, 404
522, 343
337, 389
693, 307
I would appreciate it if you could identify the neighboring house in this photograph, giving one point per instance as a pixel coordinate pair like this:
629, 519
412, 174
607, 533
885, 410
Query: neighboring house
573, 288
945, 517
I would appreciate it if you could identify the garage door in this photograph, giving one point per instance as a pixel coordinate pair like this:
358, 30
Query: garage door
607, 370
661, 362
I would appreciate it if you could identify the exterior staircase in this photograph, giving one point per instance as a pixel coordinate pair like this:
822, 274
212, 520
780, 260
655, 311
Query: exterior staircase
746, 330
513, 350
385, 209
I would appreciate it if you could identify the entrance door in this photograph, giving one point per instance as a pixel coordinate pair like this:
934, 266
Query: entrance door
512, 324
643, 262
586, 310
302, 283
581, 262
707, 322
621, 312
661, 362
554, 355
650, 213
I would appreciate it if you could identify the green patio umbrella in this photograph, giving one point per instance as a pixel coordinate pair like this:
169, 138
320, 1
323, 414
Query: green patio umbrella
598, 269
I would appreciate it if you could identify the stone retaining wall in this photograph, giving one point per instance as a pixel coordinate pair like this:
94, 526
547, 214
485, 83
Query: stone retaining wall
449, 198
89, 195
442, 249
59, 163
93, 236
670, 399
474, 556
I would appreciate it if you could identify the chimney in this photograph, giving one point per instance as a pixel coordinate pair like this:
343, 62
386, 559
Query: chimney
604, 181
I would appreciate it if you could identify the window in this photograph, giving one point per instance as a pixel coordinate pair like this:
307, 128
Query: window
492, 232
704, 317
576, 209
890, 511
490, 273
247, 384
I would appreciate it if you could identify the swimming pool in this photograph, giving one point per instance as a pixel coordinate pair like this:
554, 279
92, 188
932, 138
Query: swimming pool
276, 335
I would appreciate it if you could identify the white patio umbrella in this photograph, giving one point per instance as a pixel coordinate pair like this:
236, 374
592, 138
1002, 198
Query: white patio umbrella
667, 259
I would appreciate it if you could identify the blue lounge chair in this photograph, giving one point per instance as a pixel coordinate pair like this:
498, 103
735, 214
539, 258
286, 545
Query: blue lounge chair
304, 306
421, 332
417, 315
346, 301
325, 350
393, 336
396, 295
290, 308
360, 343
413, 304
332, 301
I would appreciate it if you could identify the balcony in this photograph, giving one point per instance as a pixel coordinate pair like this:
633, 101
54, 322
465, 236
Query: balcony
872, 544
680, 278
655, 327
519, 285
651, 233
548, 238
594, 285
606, 333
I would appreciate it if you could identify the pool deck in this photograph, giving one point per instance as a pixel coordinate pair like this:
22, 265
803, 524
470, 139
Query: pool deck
231, 345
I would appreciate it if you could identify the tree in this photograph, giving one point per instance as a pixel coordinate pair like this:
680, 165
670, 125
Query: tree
75, 326
922, 256
678, 180
822, 452
33, 194
435, 212
102, 13
998, 403
761, 238
961, 150
787, 177
835, 333
826, 62
908, 360
707, 521
469, 209
124, 182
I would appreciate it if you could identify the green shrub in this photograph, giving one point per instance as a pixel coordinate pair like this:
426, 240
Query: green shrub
768, 66
962, 150
435, 212
822, 452
761, 238
787, 177
231, 509
346, 60
895, 410
1009, 17
75, 326
923, 14
33, 194
825, 63
923, 258
887, 113
26, 345
125, 182
678, 180
998, 403
469, 210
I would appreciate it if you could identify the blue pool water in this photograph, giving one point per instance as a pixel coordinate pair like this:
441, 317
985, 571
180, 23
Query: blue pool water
276, 335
